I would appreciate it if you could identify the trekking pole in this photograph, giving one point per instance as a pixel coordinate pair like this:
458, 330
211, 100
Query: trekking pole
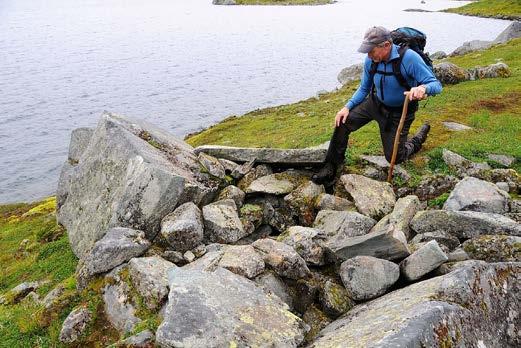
397, 137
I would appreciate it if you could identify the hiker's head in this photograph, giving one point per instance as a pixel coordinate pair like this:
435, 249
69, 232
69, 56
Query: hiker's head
377, 43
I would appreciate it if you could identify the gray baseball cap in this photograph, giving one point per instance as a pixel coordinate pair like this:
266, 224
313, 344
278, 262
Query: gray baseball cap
373, 37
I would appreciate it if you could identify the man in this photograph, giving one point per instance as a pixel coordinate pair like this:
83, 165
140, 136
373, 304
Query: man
380, 97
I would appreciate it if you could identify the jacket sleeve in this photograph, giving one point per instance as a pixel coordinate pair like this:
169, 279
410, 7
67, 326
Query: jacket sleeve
420, 72
364, 88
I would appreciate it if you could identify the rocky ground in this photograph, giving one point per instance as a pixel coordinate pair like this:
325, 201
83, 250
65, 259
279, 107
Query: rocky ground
237, 247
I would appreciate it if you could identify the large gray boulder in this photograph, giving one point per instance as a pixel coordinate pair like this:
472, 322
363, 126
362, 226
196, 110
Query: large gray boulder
80, 139
343, 223
366, 277
222, 309
477, 195
287, 157
350, 74
115, 248
222, 223
464, 224
422, 261
131, 175
495, 248
491, 71
282, 258
398, 221
183, 229
511, 32
470, 307
149, 276
372, 198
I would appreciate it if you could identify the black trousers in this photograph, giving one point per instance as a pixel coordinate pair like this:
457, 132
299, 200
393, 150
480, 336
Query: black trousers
388, 119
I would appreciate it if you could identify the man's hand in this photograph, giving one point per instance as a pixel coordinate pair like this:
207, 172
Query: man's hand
417, 93
341, 116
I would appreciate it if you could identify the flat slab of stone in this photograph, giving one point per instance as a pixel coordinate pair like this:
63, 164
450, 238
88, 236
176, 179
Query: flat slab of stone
343, 223
402, 214
457, 127
242, 260
372, 198
276, 184
289, 157
504, 160
470, 305
222, 309
464, 224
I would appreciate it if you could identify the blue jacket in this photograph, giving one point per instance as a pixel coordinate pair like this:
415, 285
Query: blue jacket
413, 68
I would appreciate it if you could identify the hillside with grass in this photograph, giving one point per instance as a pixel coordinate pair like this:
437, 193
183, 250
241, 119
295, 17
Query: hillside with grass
505, 9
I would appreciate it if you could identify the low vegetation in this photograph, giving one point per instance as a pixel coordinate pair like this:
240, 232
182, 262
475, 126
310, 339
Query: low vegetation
508, 9
283, 2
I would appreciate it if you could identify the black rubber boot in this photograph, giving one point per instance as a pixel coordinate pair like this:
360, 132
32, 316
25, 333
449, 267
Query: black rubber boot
325, 175
419, 138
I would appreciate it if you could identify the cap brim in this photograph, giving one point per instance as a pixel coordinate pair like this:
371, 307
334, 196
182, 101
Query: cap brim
366, 47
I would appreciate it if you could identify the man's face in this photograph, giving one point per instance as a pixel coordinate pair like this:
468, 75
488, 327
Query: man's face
381, 52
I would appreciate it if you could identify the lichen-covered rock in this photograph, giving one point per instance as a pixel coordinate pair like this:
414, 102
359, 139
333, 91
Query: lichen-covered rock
433, 186
367, 277
80, 138
277, 184
242, 260
233, 192
211, 165
183, 228
316, 320
464, 224
302, 200
131, 175
382, 167
504, 160
343, 223
491, 71
438, 55
469, 307
119, 305
115, 248
19, 292
335, 299
220, 309
463, 167
450, 74
351, 73
149, 276
422, 261
326, 201
253, 174
222, 223
75, 325
458, 255
456, 127
252, 217
494, 248
52, 296
282, 258
477, 195
307, 242
398, 221
372, 198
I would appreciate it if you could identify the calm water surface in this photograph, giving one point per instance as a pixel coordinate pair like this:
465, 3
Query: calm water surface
181, 64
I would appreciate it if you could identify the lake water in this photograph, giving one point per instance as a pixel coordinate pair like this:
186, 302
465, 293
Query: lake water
181, 64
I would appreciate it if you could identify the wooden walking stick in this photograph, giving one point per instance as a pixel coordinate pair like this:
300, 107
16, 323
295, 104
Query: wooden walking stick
397, 137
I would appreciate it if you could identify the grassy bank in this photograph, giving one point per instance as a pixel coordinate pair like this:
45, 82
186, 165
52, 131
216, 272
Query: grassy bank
283, 2
491, 106
507, 9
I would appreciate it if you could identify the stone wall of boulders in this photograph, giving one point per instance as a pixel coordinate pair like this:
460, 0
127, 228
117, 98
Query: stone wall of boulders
244, 250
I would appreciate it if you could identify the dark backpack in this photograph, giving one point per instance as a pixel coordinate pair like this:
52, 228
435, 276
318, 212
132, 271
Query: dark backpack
406, 38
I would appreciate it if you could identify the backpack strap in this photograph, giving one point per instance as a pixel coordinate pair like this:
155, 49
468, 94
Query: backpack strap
397, 70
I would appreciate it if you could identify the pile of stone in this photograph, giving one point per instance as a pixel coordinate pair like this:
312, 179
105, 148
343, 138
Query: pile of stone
239, 248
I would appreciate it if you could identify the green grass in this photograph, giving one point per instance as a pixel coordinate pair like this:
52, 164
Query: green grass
491, 8
283, 2
492, 106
